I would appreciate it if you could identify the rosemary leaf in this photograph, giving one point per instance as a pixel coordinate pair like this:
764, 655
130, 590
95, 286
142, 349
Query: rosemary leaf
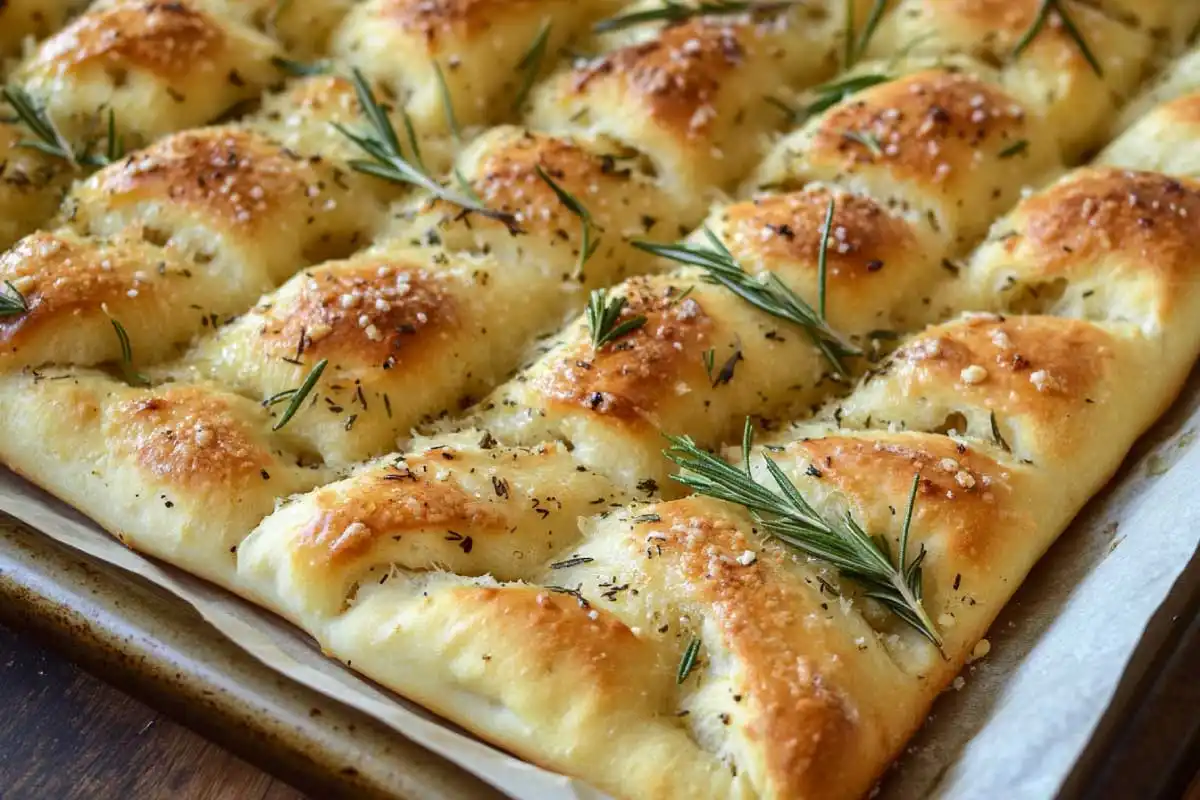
300, 68
784, 514
856, 49
823, 258
12, 302
447, 102
50, 139
866, 139
764, 291
673, 13
132, 376
1015, 149
590, 241
387, 162
114, 144
603, 317
830, 94
1039, 23
574, 561
530, 65
997, 437
710, 362
688, 662
298, 396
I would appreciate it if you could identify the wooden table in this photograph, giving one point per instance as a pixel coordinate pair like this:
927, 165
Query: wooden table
66, 734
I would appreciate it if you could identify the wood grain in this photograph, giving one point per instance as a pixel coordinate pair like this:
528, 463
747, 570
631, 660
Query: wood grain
65, 734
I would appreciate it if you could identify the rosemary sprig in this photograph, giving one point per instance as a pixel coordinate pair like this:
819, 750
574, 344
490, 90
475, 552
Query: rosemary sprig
12, 302
828, 95
50, 139
856, 48
672, 13
295, 396
447, 102
388, 162
688, 662
786, 515
603, 315
763, 291
590, 238
1068, 24
114, 145
530, 64
132, 376
834, 92
866, 139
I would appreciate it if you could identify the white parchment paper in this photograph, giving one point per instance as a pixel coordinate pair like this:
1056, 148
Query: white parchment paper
1016, 727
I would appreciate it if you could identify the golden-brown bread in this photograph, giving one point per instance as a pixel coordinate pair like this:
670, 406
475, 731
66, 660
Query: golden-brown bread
1101, 244
1158, 129
158, 66
612, 405
179, 472
501, 168
1051, 77
463, 504
476, 45
456, 573
74, 286
24, 20
233, 201
410, 335
31, 183
946, 146
690, 97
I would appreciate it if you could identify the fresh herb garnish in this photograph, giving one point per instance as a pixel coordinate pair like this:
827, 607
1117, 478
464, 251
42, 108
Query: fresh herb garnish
1068, 25
996, 437
300, 68
590, 241
50, 139
574, 561
823, 257
131, 375
12, 302
114, 145
531, 64
856, 48
447, 102
296, 396
674, 13
603, 315
388, 162
830, 94
1015, 149
688, 662
858, 556
725, 374
866, 139
763, 291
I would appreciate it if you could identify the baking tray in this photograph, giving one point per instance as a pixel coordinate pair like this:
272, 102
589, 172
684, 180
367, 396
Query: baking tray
157, 648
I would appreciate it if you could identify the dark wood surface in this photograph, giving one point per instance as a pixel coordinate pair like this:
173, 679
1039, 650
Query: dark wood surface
65, 734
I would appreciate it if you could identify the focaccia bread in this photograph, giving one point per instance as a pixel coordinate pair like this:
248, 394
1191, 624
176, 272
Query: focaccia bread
404, 378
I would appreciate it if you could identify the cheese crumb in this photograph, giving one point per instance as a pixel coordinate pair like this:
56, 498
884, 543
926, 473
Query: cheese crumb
973, 374
958, 683
981, 649
965, 479
747, 558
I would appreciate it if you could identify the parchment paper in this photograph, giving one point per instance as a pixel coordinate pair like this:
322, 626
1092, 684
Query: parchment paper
1016, 727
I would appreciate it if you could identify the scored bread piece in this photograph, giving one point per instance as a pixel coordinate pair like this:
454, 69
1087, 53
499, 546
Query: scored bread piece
179, 472
691, 96
502, 168
460, 503
156, 66
1052, 76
